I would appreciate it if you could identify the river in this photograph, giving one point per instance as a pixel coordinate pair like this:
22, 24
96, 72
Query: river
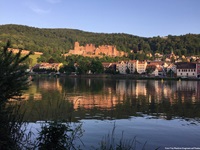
155, 113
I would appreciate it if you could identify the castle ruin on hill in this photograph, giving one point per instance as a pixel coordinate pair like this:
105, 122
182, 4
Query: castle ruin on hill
92, 51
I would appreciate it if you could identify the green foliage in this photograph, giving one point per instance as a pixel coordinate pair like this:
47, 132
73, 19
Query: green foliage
9, 129
58, 136
81, 65
96, 66
13, 76
59, 41
13, 80
110, 142
67, 69
149, 70
33, 59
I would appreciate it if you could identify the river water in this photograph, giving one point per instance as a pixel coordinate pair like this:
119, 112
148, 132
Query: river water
155, 113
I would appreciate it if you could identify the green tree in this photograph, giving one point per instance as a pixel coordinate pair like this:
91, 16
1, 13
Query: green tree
59, 136
13, 75
150, 70
96, 66
13, 79
68, 69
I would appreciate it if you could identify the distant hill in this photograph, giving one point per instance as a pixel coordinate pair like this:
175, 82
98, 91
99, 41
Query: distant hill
62, 40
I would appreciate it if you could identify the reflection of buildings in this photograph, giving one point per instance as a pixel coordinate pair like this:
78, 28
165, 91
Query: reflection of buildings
160, 90
91, 101
109, 94
35, 91
140, 88
49, 85
33, 96
198, 91
188, 90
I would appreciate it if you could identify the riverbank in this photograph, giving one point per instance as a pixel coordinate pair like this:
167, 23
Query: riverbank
118, 76
135, 77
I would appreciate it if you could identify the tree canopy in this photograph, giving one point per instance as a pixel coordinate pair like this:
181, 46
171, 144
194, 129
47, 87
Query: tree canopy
13, 77
62, 40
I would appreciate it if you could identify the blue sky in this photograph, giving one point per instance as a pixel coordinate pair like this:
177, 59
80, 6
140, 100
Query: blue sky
146, 18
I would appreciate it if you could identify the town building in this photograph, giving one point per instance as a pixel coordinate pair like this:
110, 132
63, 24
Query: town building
48, 66
198, 69
125, 67
171, 67
122, 67
132, 66
186, 69
152, 70
141, 66
109, 67
158, 56
171, 57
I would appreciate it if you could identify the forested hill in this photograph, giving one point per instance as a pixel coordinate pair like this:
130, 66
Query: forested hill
46, 40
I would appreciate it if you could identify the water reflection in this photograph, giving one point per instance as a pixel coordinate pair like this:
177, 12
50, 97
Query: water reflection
167, 112
109, 98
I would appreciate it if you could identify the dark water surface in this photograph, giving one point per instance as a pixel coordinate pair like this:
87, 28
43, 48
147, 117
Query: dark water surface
163, 114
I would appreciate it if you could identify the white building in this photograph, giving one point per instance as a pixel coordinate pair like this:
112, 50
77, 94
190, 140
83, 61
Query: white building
186, 69
141, 66
123, 66
132, 65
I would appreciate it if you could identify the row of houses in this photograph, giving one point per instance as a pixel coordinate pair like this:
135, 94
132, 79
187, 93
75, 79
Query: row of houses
157, 68
48, 66
152, 68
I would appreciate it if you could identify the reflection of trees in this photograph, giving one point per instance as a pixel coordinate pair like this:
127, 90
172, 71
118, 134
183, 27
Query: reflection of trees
131, 107
50, 108
116, 98
82, 85
169, 110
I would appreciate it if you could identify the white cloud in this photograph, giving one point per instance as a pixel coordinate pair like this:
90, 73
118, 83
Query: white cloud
40, 11
41, 7
36, 8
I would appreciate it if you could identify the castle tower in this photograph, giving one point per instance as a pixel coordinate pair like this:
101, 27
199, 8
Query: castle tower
114, 51
76, 46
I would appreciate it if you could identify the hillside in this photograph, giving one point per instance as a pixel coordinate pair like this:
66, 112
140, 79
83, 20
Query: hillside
62, 40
